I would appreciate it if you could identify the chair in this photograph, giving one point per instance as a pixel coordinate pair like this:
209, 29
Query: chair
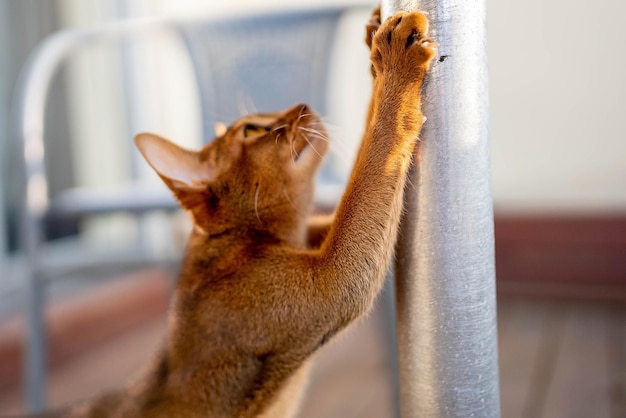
291, 49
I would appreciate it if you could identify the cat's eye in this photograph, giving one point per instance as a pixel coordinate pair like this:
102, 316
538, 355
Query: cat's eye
250, 129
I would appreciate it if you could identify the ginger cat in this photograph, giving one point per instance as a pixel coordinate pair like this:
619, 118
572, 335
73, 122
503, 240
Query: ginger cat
262, 286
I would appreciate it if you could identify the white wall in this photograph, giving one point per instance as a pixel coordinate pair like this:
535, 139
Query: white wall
558, 105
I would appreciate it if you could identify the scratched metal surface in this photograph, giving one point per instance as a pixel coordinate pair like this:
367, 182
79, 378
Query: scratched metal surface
445, 270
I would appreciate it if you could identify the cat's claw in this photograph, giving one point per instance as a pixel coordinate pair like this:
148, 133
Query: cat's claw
401, 45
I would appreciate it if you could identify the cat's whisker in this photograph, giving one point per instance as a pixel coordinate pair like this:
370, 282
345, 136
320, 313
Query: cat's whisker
289, 199
294, 154
246, 104
327, 126
319, 127
336, 148
309, 128
303, 115
315, 132
312, 135
339, 145
311, 145
279, 127
318, 135
325, 123
330, 130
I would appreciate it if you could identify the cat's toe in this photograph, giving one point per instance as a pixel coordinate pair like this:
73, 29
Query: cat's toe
372, 26
413, 28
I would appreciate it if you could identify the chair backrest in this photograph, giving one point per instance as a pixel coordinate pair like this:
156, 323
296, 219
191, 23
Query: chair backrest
267, 62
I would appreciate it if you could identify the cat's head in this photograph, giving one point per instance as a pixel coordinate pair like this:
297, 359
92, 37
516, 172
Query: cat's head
259, 173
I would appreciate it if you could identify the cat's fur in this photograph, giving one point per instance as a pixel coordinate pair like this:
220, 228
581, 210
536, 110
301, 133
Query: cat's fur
255, 299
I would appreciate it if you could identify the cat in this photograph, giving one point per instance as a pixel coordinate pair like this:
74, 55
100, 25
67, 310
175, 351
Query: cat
263, 285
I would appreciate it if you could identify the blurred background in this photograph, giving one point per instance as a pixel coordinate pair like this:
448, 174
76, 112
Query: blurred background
558, 149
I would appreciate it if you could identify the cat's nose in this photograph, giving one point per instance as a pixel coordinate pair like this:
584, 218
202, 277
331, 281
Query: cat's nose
300, 110
303, 109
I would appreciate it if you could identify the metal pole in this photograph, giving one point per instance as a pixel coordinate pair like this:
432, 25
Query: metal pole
445, 274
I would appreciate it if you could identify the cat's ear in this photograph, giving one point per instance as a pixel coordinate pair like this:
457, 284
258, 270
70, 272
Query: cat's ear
178, 167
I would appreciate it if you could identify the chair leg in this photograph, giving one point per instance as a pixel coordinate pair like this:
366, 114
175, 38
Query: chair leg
35, 358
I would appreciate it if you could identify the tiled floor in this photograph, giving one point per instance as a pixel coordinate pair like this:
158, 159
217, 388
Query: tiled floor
557, 359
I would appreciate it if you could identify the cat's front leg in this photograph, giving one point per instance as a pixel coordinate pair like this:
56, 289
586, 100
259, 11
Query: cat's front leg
354, 258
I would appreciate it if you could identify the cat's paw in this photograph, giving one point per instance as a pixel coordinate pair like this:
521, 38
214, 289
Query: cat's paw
401, 46
372, 26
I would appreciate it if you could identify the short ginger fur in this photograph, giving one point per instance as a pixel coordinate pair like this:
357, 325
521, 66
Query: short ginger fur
263, 285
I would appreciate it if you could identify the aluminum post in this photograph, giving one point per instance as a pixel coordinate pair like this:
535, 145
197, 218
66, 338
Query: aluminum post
445, 273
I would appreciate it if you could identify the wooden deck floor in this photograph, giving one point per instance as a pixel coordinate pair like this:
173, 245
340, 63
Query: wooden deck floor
557, 359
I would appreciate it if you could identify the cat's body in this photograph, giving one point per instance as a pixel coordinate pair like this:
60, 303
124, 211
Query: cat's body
262, 287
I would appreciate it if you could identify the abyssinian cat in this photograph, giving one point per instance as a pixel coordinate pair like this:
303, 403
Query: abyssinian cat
262, 286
